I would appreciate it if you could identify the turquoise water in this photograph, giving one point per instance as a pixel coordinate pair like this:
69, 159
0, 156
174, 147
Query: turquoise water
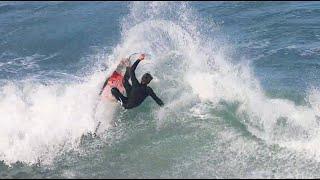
240, 83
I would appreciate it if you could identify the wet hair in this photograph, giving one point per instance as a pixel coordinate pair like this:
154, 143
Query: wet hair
146, 78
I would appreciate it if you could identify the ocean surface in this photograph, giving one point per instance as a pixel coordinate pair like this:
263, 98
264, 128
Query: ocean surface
240, 82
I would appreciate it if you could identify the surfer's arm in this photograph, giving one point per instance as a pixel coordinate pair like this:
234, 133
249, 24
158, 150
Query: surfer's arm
125, 80
104, 85
154, 96
126, 76
134, 79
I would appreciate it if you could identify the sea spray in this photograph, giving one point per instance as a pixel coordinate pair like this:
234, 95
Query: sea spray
204, 92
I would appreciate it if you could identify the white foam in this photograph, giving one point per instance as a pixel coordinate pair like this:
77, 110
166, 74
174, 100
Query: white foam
39, 122
162, 28
42, 121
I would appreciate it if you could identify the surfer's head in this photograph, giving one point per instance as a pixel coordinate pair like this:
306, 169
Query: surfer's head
146, 78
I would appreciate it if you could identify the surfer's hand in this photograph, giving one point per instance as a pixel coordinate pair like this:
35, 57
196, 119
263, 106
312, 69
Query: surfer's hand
141, 57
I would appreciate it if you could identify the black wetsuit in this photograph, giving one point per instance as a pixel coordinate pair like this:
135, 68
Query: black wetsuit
136, 92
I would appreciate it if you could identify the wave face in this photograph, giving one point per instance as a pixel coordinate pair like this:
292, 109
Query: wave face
222, 116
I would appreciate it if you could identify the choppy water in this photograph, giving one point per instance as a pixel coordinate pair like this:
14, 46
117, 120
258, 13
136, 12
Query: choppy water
240, 82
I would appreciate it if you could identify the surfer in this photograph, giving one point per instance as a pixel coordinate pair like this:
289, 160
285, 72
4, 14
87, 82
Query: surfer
117, 74
137, 92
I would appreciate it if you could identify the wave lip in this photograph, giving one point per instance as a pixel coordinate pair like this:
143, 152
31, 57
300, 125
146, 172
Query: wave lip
41, 122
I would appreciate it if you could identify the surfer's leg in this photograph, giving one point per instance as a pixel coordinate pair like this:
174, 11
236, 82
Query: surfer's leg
117, 94
125, 81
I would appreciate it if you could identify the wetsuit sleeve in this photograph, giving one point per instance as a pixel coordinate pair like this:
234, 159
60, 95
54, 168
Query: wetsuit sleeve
126, 78
134, 79
104, 85
125, 81
154, 96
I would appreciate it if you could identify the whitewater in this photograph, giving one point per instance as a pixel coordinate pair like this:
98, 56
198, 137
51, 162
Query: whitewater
225, 115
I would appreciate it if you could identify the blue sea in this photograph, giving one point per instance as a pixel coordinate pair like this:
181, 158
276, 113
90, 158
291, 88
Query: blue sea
240, 82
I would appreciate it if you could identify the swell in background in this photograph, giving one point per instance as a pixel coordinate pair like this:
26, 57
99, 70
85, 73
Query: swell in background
196, 76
